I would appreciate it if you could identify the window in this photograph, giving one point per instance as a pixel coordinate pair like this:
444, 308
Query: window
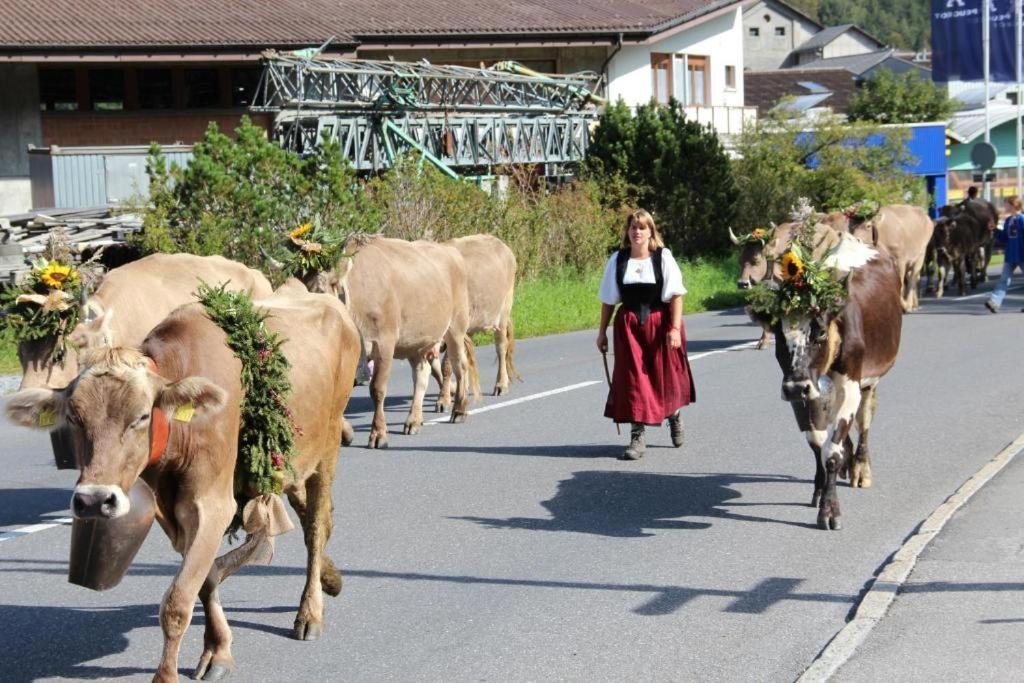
697, 81
243, 85
754, 31
57, 91
730, 77
780, 30
661, 77
106, 89
156, 90
201, 88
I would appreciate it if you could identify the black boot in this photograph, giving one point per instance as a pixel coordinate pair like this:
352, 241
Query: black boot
675, 427
636, 447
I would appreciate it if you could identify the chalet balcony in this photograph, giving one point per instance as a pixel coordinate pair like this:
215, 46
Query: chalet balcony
727, 121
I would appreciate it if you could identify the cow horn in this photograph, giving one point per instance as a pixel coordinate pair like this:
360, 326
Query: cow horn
274, 263
733, 238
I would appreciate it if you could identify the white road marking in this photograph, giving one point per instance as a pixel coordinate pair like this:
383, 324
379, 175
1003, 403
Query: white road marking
32, 528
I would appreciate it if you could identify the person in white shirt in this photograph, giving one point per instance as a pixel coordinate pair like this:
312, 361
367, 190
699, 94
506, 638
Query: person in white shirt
652, 378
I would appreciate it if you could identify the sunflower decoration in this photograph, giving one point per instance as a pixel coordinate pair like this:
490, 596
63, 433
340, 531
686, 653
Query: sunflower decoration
807, 287
44, 305
792, 266
313, 248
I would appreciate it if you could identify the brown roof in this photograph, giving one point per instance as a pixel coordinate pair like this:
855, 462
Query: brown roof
764, 89
225, 23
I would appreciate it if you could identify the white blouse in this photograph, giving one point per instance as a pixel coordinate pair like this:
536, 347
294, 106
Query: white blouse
641, 271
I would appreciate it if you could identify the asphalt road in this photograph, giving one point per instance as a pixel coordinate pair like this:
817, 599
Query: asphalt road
517, 547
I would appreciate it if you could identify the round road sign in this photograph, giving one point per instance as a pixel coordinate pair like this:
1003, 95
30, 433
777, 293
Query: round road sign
983, 155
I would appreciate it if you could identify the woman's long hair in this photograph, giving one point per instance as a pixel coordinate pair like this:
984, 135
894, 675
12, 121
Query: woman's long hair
645, 219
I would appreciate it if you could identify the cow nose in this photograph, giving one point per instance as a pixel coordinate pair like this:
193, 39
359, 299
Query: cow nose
91, 502
801, 390
743, 284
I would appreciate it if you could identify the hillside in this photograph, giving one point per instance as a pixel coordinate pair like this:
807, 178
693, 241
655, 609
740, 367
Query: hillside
899, 23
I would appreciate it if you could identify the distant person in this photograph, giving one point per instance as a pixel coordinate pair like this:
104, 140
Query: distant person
972, 192
1011, 238
652, 380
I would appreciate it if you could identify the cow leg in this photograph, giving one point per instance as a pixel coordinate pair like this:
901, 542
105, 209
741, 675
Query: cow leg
206, 520
501, 344
806, 415
847, 402
330, 577
420, 380
382, 355
766, 338
861, 473
309, 622
216, 661
460, 368
959, 269
443, 373
941, 284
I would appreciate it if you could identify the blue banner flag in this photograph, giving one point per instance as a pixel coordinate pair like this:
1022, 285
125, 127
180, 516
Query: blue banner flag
956, 41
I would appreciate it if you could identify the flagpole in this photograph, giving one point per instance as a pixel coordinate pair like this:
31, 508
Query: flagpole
1018, 60
986, 188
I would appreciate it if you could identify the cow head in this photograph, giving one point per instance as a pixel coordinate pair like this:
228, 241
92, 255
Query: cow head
755, 262
805, 347
109, 407
942, 237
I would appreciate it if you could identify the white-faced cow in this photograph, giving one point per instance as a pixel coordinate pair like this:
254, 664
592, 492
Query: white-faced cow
903, 232
491, 281
406, 298
759, 259
112, 408
129, 302
855, 349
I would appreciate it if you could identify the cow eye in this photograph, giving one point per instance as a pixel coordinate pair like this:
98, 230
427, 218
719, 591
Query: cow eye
73, 418
139, 421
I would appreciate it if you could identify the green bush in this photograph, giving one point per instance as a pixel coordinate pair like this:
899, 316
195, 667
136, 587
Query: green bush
672, 166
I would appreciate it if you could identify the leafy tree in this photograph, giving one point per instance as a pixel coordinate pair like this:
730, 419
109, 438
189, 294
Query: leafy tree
906, 98
241, 197
833, 164
670, 165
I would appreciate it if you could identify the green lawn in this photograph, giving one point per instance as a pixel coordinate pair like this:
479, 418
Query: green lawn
568, 301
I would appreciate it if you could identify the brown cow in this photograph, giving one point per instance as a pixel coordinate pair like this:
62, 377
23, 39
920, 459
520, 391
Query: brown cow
759, 261
491, 279
903, 232
130, 301
110, 406
855, 348
405, 298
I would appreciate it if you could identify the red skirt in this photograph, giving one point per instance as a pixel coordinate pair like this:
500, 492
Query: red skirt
651, 380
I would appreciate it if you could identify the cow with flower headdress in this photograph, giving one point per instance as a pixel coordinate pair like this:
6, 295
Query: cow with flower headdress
838, 318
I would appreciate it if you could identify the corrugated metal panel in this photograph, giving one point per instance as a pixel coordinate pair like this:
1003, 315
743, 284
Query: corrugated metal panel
79, 180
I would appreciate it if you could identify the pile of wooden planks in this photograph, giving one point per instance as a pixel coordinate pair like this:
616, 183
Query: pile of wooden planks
22, 236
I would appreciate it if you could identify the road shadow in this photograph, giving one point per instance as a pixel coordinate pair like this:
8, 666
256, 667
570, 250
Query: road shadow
636, 504
46, 642
26, 506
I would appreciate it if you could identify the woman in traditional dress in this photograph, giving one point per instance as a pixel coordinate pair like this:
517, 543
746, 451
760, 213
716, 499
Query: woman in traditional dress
651, 380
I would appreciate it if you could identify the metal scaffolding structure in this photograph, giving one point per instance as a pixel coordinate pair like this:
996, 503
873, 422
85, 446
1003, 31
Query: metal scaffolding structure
457, 117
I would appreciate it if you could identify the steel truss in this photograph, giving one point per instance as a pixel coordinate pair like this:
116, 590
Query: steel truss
456, 117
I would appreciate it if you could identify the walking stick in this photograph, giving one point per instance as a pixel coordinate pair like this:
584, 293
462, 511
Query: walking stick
608, 376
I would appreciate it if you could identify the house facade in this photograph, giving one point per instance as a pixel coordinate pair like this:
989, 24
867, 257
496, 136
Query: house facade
162, 70
772, 30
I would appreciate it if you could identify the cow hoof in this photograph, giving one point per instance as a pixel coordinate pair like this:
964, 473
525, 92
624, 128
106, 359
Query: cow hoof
411, 428
440, 407
500, 391
378, 441
208, 670
458, 417
829, 522
815, 499
307, 631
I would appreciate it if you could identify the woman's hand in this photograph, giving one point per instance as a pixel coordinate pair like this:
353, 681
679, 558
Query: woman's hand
675, 340
602, 342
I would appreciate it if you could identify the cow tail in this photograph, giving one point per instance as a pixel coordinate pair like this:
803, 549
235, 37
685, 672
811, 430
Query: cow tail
510, 351
471, 368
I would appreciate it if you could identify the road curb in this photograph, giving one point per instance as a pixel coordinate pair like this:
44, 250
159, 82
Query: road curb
880, 596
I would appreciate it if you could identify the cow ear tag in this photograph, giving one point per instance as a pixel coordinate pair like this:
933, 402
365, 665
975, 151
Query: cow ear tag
47, 418
184, 412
